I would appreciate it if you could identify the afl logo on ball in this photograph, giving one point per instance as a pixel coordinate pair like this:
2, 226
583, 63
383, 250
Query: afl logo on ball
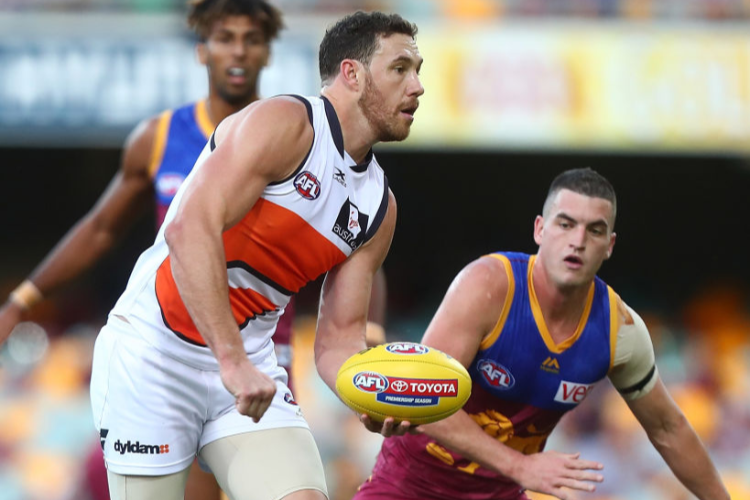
406, 348
370, 382
307, 185
495, 374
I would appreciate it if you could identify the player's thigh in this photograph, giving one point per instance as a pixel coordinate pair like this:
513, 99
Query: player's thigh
272, 464
169, 487
148, 408
201, 485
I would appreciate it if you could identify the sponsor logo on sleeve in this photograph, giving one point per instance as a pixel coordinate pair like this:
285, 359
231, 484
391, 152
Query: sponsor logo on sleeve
407, 348
495, 375
572, 393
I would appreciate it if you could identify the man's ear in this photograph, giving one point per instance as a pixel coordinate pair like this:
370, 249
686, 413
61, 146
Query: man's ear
352, 74
611, 248
201, 51
538, 229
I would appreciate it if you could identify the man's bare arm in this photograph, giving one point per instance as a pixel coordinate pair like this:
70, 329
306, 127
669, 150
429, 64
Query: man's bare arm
96, 234
262, 144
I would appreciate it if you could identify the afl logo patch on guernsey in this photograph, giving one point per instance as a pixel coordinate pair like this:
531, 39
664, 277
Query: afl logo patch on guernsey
307, 185
168, 184
407, 348
495, 375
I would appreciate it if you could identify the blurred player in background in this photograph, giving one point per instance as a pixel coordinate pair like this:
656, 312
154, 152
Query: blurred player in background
234, 45
537, 333
286, 189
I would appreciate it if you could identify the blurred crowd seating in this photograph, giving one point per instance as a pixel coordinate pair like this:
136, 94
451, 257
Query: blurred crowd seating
449, 9
703, 351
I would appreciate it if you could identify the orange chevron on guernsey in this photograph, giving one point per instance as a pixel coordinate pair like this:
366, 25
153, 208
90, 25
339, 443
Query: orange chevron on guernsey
281, 245
246, 304
287, 262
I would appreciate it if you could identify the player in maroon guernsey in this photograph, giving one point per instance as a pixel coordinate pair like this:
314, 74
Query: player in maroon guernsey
536, 333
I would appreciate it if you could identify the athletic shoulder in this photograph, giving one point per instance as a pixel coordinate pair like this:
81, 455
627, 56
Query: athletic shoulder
281, 131
139, 146
286, 114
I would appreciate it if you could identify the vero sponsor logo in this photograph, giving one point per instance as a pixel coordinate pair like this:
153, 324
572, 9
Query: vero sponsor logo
571, 392
140, 449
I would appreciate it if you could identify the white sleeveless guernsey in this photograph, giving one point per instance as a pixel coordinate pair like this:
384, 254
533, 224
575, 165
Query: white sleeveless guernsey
300, 228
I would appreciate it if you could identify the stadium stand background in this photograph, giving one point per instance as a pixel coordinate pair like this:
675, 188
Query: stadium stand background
655, 94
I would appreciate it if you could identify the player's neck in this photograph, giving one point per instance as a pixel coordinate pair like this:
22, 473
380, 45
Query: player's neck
561, 307
218, 108
358, 135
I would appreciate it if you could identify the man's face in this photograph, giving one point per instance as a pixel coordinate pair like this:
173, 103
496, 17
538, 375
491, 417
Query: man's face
234, 54
392, 87
575, 237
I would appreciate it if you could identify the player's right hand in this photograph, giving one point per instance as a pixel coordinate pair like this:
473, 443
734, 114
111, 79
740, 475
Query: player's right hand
10, 315
253, 390
388, 427
555, 473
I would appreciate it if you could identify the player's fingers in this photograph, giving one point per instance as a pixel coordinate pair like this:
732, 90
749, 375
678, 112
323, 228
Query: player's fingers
585, 476
403, 427
243, 405
584, 464
369, 424
387, 429
261, 407
577, 485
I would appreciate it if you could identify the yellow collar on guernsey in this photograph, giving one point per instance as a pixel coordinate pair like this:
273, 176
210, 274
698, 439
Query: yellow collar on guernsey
202, 119
539, 317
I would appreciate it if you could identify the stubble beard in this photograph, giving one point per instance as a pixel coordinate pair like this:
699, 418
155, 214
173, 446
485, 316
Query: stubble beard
372, 105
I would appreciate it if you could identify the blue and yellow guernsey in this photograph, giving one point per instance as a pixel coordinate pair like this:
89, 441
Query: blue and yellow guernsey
523, 383
181, 135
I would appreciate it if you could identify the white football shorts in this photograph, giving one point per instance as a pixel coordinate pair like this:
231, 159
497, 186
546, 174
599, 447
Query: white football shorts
154, 413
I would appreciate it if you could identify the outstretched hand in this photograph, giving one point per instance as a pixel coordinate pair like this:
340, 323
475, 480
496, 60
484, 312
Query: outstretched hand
253, 390
552, 472
10, 316
388, 427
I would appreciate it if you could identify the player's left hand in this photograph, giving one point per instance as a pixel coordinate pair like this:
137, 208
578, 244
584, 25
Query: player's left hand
387, 428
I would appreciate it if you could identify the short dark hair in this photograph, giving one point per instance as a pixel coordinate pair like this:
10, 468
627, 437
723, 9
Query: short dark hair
202, 14
583, 181
357, 36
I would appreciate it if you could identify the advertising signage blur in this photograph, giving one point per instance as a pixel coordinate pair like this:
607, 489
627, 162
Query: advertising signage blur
503, 85
89, 88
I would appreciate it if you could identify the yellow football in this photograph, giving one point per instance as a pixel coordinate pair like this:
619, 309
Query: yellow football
404, 380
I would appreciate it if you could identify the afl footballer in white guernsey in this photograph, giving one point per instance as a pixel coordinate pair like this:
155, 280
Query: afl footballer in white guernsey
286, 190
